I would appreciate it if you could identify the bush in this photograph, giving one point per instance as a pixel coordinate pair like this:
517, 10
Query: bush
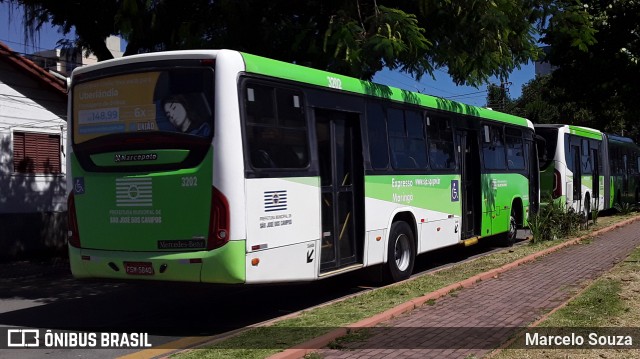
595, 213
554, 221
625, 207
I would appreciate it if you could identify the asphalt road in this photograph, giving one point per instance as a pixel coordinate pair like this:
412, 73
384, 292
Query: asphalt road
45, 296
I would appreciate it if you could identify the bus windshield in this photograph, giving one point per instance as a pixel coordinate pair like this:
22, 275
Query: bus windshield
547, 152
179, 100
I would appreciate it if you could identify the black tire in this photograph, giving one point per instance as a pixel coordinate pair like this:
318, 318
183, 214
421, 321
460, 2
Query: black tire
619, 198
587, 208
509, 238
401, 252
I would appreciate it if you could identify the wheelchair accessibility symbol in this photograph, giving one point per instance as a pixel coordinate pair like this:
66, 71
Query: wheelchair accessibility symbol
78, 185
455, 194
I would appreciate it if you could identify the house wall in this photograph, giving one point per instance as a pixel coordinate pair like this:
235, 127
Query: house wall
32, 206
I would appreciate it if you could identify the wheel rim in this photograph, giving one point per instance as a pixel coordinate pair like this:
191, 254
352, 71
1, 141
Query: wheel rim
512, 228
587, 209
402, 252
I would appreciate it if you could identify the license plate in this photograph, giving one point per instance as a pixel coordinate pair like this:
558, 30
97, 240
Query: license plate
138, 268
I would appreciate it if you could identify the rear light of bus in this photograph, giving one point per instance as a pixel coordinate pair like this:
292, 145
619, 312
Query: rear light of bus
557, 184
73, 236
219, 221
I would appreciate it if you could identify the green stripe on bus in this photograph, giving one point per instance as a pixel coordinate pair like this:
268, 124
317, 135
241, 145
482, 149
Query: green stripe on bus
309, 181
264, 66
431, 192
585, 132
226, 264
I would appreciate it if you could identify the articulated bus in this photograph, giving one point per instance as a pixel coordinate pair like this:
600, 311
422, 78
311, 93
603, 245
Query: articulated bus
223, 167
624, 167
585, 169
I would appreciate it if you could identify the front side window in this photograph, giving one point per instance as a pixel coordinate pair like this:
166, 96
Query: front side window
276, 128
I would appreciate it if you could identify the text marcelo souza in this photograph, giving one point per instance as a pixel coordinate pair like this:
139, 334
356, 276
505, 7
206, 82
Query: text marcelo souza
578, 340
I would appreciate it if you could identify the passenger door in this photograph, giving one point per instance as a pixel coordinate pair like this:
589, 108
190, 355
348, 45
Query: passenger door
467, 146
341, 183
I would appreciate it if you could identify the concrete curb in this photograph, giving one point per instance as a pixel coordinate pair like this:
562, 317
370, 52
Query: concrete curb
313, 345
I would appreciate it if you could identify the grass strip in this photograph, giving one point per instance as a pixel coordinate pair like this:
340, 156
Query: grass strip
612, 301
262, 342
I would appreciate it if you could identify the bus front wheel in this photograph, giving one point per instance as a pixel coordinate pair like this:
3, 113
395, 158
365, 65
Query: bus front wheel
401, 252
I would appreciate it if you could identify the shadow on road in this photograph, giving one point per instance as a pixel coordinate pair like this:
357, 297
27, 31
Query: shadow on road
44, 295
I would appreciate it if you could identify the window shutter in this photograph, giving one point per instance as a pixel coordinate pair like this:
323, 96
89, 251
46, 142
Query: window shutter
36, 153
19, 164
53, 153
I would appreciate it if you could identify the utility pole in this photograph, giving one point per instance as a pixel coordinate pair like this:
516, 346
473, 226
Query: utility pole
504, 90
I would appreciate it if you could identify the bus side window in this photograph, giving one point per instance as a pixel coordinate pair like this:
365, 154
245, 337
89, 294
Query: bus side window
377, 132
290, 110
632, 164
415, 137
515, 149
406, 139
276, 128
441, 148
596, 151
585, 157
259, 105
493, 151
568, 157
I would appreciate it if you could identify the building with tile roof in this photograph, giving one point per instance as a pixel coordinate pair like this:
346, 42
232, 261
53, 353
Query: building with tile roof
33, 113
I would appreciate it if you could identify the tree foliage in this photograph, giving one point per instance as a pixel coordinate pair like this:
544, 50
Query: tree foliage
600, 77
472, 39
543, 102
498, 97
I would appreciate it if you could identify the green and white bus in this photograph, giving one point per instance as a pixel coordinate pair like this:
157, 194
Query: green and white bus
572, 171
223, 167
584, 169
624, 169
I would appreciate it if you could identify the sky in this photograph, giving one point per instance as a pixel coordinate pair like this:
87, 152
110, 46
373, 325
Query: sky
443, 86
12, 34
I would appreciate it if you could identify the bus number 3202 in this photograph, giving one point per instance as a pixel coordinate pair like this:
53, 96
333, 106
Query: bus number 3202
335, 83
190, 181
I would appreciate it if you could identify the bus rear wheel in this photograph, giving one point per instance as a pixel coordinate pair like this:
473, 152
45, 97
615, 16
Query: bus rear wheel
587, 208
509, 238
401, 252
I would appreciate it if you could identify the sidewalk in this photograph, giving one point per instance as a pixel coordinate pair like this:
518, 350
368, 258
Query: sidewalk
36, 268
473, 321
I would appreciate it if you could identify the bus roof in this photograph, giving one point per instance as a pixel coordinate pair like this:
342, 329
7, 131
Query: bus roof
585, 132
264, 66
620, 138
575, 130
